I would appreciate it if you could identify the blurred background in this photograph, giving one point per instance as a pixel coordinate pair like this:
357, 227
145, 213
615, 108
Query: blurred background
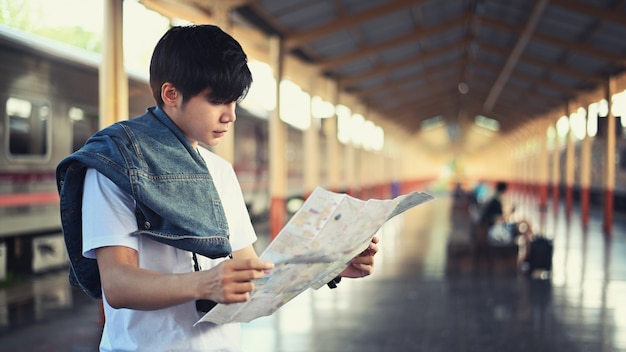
373, 98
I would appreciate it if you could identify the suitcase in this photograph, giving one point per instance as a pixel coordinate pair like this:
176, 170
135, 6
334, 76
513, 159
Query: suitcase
540, 256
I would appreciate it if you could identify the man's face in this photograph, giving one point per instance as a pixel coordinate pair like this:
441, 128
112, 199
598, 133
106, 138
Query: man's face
202, 120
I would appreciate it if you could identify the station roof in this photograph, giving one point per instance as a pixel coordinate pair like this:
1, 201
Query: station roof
414, 60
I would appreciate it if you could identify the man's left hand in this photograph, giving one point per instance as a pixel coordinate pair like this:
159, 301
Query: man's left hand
363, 264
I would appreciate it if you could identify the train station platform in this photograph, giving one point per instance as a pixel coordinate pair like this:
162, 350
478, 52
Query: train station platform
412, 302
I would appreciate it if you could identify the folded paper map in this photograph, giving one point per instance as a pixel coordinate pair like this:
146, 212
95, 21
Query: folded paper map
315, 246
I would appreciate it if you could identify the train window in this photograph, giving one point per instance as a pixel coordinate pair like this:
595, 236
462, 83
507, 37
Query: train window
28, 128
84, 125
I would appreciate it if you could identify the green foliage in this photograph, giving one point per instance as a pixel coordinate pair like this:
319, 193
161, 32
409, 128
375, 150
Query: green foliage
76, 36
24, 15
18, 14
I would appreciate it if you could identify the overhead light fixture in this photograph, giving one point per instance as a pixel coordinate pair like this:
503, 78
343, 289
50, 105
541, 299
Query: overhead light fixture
463, 88
487, 123
431, 123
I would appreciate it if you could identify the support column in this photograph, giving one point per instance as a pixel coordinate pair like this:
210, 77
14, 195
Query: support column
364, 168
113, 82
585, 174
350, 169
609, 171
113, 86
311, 152
544, 178
394, 169
569, 163
382, 185
277, 147
556, 173
332, 145
524, 179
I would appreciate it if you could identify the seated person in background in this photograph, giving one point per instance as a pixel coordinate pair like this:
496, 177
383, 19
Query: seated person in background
493, 210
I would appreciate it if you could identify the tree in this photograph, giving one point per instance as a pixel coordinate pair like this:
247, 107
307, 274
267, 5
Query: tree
19, 14
25, 15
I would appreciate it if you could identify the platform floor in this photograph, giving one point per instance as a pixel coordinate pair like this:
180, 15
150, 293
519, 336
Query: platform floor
415, 300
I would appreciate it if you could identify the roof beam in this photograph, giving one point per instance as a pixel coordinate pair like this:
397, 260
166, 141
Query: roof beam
397, 88
525, 98
416, 104
173, 9
532, 80
206, 11
410, 97
415, 35
519, 47
585, 48
267, 18
347, 21
421, 57
548, 66
612, 15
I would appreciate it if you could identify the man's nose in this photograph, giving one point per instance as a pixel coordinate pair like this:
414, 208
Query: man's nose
229, 115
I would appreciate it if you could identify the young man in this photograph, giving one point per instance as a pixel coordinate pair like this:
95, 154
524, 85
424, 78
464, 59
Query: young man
142, 197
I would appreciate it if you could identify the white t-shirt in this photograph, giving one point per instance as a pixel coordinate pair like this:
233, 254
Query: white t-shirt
108, 219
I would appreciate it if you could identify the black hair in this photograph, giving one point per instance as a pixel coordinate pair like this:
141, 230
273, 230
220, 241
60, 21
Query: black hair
194, 58
501, 187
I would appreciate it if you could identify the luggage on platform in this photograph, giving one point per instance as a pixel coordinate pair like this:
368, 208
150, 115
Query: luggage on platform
540, 256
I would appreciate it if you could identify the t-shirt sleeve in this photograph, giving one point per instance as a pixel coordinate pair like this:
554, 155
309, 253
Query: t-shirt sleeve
108, 215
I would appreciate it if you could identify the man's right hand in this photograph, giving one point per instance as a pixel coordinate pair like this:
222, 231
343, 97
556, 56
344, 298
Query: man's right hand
231, 280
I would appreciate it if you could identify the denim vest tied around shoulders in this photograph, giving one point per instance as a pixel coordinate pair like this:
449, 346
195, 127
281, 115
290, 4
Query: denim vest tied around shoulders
149, 158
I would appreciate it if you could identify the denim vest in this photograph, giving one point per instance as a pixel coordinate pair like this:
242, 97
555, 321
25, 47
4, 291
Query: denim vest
149, 158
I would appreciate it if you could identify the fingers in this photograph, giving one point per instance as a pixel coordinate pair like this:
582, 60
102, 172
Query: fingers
235, 279
238, 292
364, 264
246, 270
359, 267
372, 248
250, 264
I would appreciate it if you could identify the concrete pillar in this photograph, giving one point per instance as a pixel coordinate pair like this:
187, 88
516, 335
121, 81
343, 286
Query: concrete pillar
556, 173
543, 177
332, 156
585, 174
311, 153
350, 156
609, 172
113, 82
277, 147
569, 163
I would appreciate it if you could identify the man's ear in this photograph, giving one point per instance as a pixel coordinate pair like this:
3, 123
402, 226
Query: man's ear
169, 94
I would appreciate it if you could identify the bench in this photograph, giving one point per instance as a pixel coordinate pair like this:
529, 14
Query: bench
467, 252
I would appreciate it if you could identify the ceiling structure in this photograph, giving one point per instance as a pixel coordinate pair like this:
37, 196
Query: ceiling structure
451, 60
